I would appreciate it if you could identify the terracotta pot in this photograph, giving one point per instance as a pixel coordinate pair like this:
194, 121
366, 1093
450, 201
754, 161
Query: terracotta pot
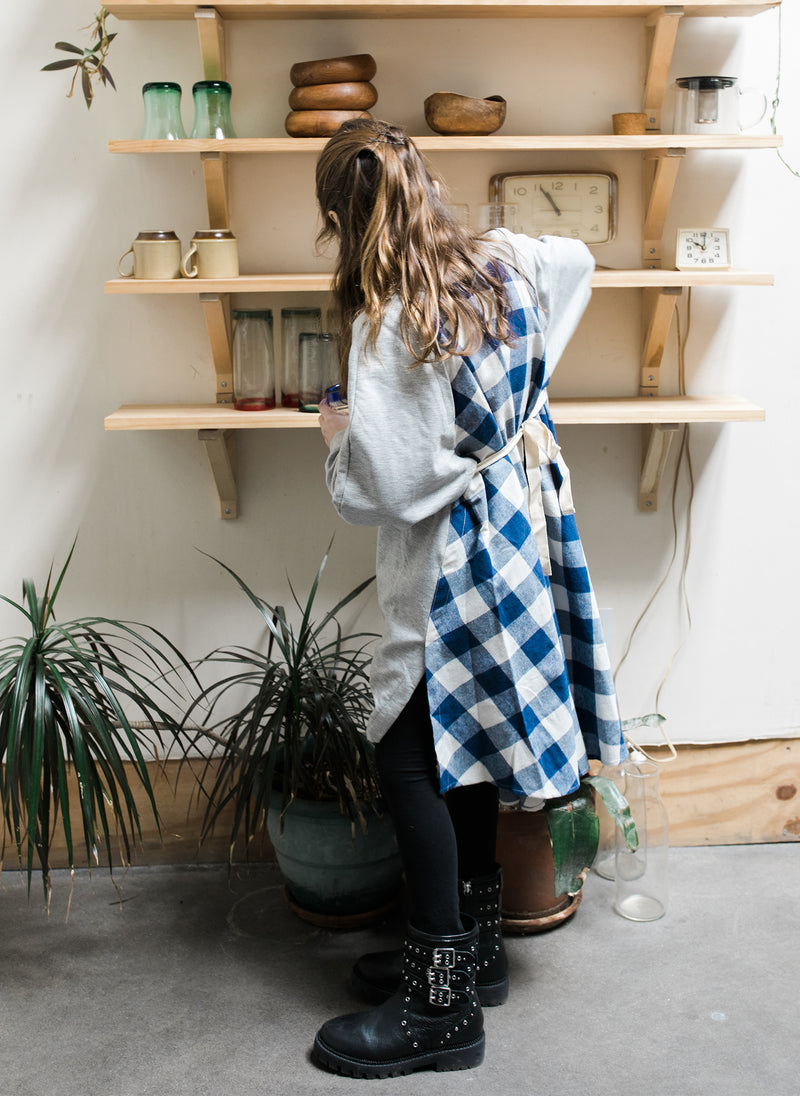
344, 96
333, 70
452, 114
529, 903
319, 123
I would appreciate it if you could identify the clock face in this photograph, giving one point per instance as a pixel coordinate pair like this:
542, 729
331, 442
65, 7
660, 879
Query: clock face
700, 248
579, 204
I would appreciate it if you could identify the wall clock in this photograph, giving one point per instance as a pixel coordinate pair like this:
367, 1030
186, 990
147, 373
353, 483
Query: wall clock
703, 248
580, 204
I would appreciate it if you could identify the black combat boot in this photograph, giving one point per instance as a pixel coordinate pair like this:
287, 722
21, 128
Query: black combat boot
376, 976
433, 1021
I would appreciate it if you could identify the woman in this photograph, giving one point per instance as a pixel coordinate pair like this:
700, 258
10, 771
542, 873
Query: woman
491, 678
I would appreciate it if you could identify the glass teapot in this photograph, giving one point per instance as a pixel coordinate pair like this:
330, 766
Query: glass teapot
711, 105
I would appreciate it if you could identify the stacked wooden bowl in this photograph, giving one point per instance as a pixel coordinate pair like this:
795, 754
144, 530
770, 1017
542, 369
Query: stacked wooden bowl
329, 92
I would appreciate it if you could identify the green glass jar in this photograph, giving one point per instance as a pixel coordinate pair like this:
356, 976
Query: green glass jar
162, 112
212, 109
253, 360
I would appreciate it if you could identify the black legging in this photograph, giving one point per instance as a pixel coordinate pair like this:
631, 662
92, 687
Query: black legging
440, 838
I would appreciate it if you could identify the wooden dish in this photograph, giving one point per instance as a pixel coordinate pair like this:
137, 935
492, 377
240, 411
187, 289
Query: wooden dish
333, 70
452, 114
343, 96
319, 123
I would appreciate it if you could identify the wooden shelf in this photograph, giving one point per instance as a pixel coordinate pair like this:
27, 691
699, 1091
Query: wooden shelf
429, 9
603, 410
494, 143
321, 283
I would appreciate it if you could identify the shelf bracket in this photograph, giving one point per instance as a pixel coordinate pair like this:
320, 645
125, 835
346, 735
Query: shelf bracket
660, 173
216, 309
211, 32
221, 453
215, 177
659, 308
656, 442
661, 28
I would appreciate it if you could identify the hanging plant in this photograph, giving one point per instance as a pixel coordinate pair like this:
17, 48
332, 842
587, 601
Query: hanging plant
91, 62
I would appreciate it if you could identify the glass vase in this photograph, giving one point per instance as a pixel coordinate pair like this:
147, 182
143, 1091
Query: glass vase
212, 109
318, 367
253, 361
641, 880
162, 112
607, 841
293, 322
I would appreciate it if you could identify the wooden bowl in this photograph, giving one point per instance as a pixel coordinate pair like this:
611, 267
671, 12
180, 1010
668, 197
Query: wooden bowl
452, 114
333, 70
344, 96
319, 123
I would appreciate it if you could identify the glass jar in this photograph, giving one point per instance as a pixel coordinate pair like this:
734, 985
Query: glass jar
293, 322
162, 112
317, 366
641, 874
253, 361
212, 109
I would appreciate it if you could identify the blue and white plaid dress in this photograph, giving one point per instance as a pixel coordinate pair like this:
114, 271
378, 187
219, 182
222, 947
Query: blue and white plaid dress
518, 675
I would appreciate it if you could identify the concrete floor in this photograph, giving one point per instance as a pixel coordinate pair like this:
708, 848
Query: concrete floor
197, 985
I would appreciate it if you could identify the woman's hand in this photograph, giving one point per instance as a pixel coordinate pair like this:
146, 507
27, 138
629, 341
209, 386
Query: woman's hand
331, 421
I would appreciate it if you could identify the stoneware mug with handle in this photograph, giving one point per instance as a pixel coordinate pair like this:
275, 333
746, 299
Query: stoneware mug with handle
214, 254
156, 254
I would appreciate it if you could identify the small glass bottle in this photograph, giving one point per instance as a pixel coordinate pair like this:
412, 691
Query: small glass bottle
253, 361
162, 112
212, 109
318, 367
641, 875
607, 841
293, 321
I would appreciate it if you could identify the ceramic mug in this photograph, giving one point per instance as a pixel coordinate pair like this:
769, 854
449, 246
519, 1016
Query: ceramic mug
156, 254
214, 254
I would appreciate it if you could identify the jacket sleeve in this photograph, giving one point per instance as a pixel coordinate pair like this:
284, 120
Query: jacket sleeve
395, 463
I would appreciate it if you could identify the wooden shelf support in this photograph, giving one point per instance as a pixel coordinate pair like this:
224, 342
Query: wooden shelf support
211, 32
216, 309
221, 455
656, 443
661, 29
660, 172
215, 177
659, 308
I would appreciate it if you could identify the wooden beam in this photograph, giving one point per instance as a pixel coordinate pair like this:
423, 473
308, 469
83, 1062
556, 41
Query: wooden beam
659, 308
661, 31
215, 177
211, 32
660, 172
656, 443
216, 309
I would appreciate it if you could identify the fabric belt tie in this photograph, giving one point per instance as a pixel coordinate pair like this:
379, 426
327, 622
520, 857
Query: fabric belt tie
540, 447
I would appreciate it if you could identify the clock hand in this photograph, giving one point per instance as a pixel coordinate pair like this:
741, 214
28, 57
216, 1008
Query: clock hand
549, 197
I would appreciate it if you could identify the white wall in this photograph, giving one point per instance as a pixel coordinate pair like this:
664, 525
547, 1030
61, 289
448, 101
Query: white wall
143, 503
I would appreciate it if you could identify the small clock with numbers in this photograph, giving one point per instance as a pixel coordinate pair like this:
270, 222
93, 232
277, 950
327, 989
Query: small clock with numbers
703, 249
579, 204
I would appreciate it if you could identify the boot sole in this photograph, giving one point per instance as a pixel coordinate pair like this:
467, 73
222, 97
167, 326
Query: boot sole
466, 1056
489, 995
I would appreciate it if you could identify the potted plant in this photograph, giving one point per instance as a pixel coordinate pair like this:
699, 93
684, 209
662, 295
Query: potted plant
546, 854
293, 751
66, 696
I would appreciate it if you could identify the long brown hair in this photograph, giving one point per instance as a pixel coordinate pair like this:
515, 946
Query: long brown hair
396, 237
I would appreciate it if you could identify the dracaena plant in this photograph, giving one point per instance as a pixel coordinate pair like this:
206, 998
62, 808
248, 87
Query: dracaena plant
299, 713
67, 695
89, 62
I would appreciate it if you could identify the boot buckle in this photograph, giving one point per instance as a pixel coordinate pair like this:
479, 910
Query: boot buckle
440, 995
438, 977
444, 957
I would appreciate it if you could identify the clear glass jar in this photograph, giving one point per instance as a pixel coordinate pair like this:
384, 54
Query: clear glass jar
607, 842
641, 879
162, 112
253, 361
293, 322
317, 366
212, 109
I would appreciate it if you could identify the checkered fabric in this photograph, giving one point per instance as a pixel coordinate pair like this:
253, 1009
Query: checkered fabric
518, 675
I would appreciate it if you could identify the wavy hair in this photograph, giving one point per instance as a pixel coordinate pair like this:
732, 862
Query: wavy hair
396, 237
